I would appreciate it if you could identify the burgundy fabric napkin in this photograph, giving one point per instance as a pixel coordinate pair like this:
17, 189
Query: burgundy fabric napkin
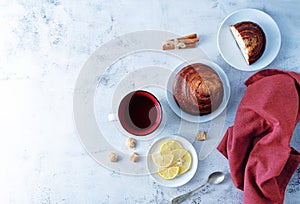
257, 146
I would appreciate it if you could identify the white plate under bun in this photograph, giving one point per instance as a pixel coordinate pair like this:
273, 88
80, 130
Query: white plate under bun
230, 50
181, 179
203, 118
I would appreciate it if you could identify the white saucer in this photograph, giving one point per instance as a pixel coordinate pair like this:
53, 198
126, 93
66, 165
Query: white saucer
230, 50
204, 118
181, 179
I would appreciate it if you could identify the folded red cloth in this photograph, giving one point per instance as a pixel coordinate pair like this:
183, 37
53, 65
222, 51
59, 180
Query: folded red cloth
257, 146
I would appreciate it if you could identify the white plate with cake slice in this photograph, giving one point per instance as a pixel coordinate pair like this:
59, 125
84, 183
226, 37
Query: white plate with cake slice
241, 43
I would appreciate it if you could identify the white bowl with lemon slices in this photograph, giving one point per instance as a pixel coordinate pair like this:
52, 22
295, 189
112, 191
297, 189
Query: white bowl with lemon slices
172, 161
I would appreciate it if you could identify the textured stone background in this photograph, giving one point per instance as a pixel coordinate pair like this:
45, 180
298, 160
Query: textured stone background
43, 46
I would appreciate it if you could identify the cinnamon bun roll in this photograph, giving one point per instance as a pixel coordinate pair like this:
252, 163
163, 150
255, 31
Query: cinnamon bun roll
197, 89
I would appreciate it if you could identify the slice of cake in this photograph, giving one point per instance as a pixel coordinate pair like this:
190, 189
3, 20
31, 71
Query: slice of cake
251, 40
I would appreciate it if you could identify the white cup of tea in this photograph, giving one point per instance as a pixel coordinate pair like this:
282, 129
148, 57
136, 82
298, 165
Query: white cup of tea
140, 114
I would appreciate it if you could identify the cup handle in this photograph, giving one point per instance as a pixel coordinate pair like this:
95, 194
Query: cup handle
112, 117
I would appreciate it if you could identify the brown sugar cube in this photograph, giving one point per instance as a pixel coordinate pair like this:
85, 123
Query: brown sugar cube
113, 157
201, 136
134, 157
130, 143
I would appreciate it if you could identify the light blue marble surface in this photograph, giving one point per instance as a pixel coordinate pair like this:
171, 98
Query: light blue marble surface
43, 46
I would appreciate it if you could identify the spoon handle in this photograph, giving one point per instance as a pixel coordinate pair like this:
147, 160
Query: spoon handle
183, 197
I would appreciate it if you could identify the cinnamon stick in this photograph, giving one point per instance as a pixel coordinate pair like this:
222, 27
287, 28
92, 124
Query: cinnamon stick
188, 41
173, 47
191, 36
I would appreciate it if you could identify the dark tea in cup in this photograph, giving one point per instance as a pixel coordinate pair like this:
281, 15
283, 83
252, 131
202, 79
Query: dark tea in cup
140, 113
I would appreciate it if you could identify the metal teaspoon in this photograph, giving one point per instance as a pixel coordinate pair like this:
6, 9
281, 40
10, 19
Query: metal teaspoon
214, 178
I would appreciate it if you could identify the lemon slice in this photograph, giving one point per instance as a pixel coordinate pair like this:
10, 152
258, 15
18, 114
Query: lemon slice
182, 159
168, 146
163, 160
169, 173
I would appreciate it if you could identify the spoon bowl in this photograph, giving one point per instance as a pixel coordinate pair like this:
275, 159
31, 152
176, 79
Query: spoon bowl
216, 178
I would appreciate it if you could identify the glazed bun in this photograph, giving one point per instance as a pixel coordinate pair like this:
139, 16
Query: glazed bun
197, 89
